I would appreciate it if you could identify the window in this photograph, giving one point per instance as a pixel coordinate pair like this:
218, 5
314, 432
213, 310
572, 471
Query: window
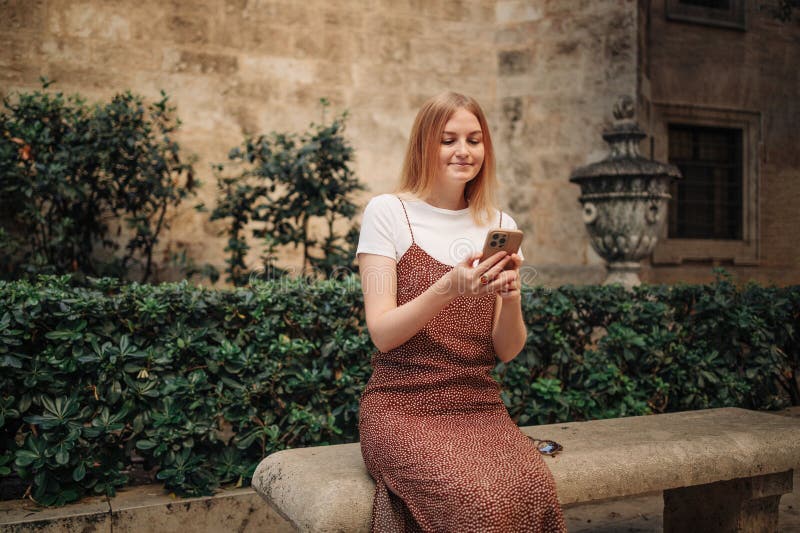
726, 13
707, 202
711, 4
713, 212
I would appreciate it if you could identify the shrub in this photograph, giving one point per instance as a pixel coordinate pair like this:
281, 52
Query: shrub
284, 182
201, 384
71, 173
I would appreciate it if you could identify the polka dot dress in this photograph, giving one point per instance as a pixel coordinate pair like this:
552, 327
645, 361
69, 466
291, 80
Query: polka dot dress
435, 434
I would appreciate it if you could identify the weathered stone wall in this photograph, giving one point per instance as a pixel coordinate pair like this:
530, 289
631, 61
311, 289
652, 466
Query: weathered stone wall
236, 66
754, 70
561, 66
547, 71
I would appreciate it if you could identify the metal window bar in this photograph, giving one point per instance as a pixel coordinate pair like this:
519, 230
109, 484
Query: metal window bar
707, 203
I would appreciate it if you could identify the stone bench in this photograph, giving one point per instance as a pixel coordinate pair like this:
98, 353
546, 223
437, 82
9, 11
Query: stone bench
719, 470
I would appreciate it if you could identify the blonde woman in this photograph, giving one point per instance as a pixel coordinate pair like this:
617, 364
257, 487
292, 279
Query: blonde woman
435, 434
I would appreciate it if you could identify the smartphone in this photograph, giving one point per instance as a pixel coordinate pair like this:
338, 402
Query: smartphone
502, 239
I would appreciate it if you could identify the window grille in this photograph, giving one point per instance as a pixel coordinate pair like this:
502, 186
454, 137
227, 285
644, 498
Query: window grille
725, 13
707, 202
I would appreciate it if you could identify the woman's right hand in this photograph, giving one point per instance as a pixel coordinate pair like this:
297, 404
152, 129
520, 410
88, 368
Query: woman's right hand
466, 280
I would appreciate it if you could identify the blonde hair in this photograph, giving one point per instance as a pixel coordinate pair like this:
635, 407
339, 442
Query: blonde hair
421, 162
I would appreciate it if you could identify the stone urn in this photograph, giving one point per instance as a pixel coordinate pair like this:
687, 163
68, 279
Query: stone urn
624, 198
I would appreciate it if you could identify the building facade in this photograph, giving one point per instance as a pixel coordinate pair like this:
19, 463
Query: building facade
717, 86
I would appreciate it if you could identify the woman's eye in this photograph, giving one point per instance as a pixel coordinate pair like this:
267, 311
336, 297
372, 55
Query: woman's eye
447, 141
474, 141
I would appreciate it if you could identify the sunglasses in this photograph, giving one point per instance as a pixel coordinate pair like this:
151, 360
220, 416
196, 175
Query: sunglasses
547, 447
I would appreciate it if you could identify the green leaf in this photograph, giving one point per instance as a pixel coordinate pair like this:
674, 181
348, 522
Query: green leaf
62, 456
26, 457
145, 444
79, 472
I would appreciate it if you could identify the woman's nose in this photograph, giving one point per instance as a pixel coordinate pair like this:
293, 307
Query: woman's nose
461, 148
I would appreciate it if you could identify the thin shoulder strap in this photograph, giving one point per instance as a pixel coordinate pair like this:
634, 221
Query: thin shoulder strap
407, 221
501, 218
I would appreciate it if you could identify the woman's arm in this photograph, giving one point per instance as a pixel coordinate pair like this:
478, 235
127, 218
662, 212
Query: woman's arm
389, 325
509, 333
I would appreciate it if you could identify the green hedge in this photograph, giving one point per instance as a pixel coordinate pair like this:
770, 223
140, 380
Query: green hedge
197, 385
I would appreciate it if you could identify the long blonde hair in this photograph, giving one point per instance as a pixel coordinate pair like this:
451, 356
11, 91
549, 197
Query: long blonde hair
422, 155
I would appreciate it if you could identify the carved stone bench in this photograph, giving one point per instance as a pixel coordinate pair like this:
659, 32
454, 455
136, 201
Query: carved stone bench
721, 470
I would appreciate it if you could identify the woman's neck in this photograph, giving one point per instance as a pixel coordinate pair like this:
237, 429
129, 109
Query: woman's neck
452, 199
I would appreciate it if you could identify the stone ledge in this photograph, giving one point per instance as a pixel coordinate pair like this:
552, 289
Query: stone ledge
147, 508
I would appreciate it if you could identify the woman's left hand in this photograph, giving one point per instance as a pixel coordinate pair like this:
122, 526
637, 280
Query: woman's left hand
511, 289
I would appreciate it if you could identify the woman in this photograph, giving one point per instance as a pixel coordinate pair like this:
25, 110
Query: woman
435, 434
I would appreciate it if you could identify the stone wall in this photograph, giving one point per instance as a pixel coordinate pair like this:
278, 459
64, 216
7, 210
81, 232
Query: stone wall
253, 66
754, 71
561, 66
547, 72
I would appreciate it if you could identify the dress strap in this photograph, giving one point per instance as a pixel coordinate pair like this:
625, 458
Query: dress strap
407, 221
501, 218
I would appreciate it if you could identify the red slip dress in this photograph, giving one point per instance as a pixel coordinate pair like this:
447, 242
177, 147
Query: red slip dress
435, 434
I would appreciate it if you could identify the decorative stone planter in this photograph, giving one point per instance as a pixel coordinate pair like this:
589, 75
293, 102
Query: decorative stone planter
624, 198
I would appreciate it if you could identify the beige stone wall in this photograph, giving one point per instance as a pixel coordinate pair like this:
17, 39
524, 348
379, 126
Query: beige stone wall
561, 66
236, 66
547, 72
756, 70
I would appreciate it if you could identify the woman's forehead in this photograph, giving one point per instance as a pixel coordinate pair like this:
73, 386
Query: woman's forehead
462, 120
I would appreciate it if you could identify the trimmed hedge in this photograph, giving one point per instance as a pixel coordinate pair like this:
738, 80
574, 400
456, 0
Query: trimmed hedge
197, 385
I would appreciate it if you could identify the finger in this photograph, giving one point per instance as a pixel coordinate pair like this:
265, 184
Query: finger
510, 285
491, 261
517, 260
501, 280
507, 277
498, 267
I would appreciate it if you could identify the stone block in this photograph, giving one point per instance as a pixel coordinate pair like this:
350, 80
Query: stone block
66, 50
343, 16
133, 56
325, 45
192, 62
187, 28
86, 79
91, 19
23, 15
744, 505
237, 32
282, 71
513, 62
516, 11
150, 509
91, 514
147, 509
19, 51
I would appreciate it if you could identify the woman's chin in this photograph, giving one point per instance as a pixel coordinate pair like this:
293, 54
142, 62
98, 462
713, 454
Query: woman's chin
462, 177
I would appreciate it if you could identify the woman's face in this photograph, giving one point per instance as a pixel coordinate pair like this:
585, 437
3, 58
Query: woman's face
461, 148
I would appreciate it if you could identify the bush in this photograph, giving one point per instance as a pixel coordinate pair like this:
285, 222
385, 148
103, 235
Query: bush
285, 182
201, 384
70, 174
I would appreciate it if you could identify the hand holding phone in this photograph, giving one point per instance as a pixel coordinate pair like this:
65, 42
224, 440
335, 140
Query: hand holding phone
502, 239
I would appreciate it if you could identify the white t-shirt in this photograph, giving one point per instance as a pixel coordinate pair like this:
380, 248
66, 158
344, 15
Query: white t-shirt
447, 235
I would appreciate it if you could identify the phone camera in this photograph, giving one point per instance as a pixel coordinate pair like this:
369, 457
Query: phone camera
496, 236
493, 244
502, 242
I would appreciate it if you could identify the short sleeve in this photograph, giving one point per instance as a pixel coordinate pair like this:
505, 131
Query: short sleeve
378, 228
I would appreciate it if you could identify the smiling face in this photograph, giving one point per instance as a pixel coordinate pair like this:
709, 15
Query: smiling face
461, 149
